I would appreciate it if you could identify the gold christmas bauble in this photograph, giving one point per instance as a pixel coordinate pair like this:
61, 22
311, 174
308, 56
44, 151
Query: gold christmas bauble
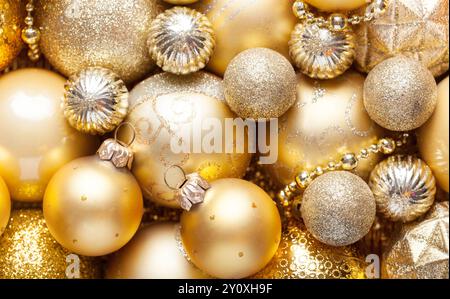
259, 83
180, 2
235, 232
107, 33
432, 137
12, 13
5, 206
35, 139
414, 28
400, 94
155, 252
327, 121
165, 108
301, 256
27, 250
333, 5
91, 207
241, 25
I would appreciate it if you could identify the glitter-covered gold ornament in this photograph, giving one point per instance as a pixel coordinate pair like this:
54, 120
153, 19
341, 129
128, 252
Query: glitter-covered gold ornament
5, 206
404, 188
35, 139
95, 101
93, 205
241, 25
415, 28
301, 256
421, 248
338, 208
12, 13
400, 94
166, 107
155, 252
235, 232
181, 40
107, 33
432, 137
27, 250
259, 83
327, 121
334, 5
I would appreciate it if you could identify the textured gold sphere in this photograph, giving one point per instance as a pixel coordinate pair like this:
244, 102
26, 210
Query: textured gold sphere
327, 121
404, 188
432, 137
12, 13
155, 252
259, 83
301, 256
28, 251
338, 208
400, 94
91, 207
106, 33
420, 249
5, 206
160, 107
181, 40
35, 139
333, 5
235, 232
241, 25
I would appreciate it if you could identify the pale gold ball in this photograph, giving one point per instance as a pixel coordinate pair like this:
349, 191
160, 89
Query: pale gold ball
400, 94
333, 5
235, 232
155, 252
12, 13
91, 207
5, 206
106, 33
260, 83
180, 2
338, 208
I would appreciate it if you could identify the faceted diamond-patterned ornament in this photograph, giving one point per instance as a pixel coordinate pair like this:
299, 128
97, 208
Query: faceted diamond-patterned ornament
119, 155
193, 191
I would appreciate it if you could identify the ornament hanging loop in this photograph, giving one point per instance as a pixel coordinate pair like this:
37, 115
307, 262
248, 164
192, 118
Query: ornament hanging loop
178, 186
133, 136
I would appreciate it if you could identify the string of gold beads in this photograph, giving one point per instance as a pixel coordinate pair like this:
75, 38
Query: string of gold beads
31, 34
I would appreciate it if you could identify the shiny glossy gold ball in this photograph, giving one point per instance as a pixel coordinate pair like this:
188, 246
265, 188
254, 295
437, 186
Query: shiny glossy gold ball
334, 5
338, 208
106, 33
27, 250
35, 138
155, 252
5, 206
91, 207
400, 94
12, 13
432, 137
259, 83
235, 232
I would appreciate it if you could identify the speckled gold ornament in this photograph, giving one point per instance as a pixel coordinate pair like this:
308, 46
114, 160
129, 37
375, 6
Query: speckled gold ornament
432, 137
415, 28
12, 13
334, 5
404, 188
160, 107
301, 256
5, 206
421, 248
181, 40
400, 94
259, 83
338, 208
235, 232
27, 250
107, 33
95, 100
153, 253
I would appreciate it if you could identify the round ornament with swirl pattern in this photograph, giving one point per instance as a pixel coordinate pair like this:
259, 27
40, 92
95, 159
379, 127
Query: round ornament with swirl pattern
181, 40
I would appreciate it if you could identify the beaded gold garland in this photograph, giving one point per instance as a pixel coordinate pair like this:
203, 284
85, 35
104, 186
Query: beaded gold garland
31, 34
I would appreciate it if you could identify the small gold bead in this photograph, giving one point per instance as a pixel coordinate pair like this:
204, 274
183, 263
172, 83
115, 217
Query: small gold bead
29, 20
29, 7
300, 9
31, 35
318, 170
364, 153
386, 146
303, 179
293, 186
373, 148
331, 166
337, 22
349, 161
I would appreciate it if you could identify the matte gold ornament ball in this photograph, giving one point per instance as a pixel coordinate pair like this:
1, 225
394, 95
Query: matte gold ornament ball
167, 109
242, 25
400, 94
333, 5
106, 33
235, 232
432, 137
155, 252
12, 13
35, 139
338, 208
28, 251
5, 206
259, 83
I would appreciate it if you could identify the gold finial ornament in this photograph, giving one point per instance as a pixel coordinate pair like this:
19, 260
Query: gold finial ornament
181, 40
31, 35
